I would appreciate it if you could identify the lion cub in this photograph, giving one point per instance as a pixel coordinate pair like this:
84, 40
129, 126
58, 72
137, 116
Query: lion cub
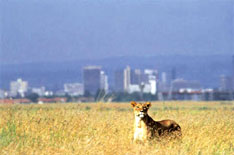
145, 128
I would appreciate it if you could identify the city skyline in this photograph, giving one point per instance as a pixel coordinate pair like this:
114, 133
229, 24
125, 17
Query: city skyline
138, 81
126, 80
207, 69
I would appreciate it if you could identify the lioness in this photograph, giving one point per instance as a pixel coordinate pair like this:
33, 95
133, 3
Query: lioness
145, 128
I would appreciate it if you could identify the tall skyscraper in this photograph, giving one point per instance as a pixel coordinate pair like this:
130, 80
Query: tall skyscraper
119, 81
127, 78
92, 79
18, 87
152, 80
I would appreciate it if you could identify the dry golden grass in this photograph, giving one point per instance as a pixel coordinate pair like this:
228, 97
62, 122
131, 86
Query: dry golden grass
207, 128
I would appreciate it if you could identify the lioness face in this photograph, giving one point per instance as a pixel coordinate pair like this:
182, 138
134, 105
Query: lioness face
140, 109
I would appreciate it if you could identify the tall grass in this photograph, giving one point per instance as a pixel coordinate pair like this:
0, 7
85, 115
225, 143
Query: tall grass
100, 128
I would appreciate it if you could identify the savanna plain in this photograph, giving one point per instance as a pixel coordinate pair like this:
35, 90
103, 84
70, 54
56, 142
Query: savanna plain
107, 128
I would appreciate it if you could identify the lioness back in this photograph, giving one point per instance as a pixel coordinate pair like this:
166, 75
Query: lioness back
169, 126
169, 123
146, 128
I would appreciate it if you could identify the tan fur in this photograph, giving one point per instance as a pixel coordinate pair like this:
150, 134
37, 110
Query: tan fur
145, 128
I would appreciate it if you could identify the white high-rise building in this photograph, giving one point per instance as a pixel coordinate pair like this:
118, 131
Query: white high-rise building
127, 78
18, 87
145, 83
104, 81
153, 84
152, 80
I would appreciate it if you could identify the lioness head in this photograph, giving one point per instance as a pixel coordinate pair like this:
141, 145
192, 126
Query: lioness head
140, 109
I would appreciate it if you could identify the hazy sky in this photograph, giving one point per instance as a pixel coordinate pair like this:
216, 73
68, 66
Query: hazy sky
63, 30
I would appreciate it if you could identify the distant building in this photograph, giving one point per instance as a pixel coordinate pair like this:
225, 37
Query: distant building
153, 85
92, 79
131, 81
163, 85
60, 92
144, 88
135, 77
164, 77
185, 95
208, 94
18, 87
184, 85
145, 82
104, 82
151, 80
127, 78
147, 88
49, 93
74, 89
226, 83
144, 78
133, 88
40, 91
119, 81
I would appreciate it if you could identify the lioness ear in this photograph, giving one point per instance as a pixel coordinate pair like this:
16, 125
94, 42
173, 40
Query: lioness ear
133, 103
148, 104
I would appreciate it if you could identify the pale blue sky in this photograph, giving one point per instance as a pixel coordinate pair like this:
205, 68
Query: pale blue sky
63, 30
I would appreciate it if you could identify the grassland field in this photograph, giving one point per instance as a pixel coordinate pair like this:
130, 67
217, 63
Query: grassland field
107, 128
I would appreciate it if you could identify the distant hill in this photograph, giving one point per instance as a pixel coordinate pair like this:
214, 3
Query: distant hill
206, 69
